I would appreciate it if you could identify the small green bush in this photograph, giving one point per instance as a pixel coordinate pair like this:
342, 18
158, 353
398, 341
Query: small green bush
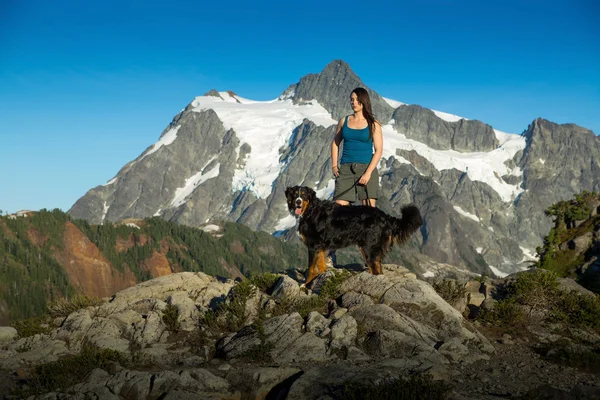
170, 318
578, 309
32, 326
331, 287
67, 371
305, 305
265, 281
230, 316
507, 313
450, 290
262, 351
64, 307
539, 290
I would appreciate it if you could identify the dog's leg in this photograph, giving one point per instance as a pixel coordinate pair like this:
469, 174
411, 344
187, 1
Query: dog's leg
313, 266
373, 257
321, 267
377, 265
367, 261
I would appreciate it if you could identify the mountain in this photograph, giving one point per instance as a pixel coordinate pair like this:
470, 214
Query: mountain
47, 256
482, 192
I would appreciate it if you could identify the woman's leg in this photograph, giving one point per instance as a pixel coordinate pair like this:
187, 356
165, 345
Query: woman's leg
370, 202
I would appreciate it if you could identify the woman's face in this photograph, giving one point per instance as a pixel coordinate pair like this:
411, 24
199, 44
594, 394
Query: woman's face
356, 105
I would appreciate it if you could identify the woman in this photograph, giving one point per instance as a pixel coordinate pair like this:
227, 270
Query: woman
356, 174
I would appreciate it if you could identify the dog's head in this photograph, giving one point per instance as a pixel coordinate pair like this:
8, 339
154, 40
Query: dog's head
298, 199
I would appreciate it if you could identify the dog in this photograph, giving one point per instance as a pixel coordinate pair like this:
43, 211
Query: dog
324, 225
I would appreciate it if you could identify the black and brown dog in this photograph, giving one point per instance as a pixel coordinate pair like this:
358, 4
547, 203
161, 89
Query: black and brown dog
323, 225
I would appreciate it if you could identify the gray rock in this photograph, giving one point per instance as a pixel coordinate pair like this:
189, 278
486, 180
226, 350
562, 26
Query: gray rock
424, 126
285, 287
394, 344
7, 334
316, 323
188, 314
350, 300
343, 332
356, 354
371, 285
332, 88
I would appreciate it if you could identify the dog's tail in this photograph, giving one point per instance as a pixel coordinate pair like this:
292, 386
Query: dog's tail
410, 222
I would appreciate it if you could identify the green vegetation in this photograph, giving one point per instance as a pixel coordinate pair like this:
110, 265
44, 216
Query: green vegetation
31, 276
264, 282
191, 248
331, 287
32, 326
572, 219
578, 310
230, 315
305, 305
539, 291
64, 307
413, 387
450, 290
170, 318
262, 351
67, 371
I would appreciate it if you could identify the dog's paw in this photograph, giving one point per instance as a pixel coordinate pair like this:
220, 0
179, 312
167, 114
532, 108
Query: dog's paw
303, 286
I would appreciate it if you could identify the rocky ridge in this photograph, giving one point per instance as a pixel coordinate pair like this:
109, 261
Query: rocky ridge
280, 340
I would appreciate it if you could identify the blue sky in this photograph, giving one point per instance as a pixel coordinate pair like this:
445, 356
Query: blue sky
86, 87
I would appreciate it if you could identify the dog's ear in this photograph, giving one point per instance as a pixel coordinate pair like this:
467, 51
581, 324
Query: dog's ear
312, 195
288, 191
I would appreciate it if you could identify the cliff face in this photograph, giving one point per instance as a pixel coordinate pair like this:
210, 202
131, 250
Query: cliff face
88, 270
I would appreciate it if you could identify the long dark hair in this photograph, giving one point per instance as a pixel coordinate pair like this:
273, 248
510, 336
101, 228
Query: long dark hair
363, 98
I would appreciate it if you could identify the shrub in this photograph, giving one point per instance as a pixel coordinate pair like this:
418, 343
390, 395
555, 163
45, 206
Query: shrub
539, 290
264, 281
578, 309
536, 289
32, 326
67, 371
230, 315
331, 287
262, 351
506, 312
450, 290
64, 307
170, 318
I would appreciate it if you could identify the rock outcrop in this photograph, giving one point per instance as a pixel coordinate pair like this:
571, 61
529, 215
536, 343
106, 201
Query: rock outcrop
278, 341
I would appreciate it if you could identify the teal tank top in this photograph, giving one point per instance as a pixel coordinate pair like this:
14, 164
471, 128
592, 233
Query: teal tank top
358, 148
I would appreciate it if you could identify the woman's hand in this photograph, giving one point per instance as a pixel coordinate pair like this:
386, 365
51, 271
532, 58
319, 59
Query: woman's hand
336, 171
364, 178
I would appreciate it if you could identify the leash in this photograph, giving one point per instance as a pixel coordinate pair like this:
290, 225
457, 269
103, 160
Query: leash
353, 169
347, 190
